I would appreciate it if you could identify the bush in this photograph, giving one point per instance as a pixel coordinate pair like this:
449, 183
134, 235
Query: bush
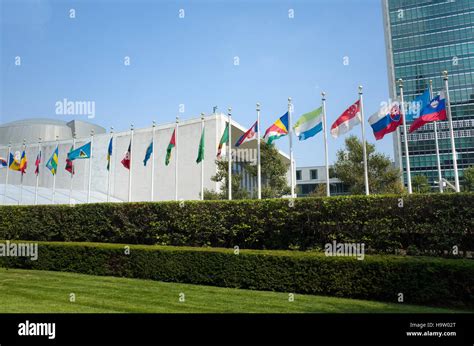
422, 280
431, 222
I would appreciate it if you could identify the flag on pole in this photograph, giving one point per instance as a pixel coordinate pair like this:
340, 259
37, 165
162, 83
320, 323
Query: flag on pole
69, 164
109, 154
15, 160
347, 120
126, 160
171, 145
148, 153
249, 135
415, 107
83, 152
434, 111
3, 162
37, 163
200, 156
309, 124
277, 130
386, 120
52, 163
23, 163
224, 140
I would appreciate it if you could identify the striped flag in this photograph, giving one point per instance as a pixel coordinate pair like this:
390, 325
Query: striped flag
277, 130
109, 154
37, 163
224, 140
52, 163
249, 135
309, 124
347, 120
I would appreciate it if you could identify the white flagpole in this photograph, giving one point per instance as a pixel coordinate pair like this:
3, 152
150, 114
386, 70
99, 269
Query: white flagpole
364, 145
176, 162
290, 137
21, 178
8, 168
152, 197
451, 132
405, 135
259, 165
90, 168
130, 170
54, 175
37, 175
328, 189
229, 180
72, 171
438, 161
110, 163
202, 161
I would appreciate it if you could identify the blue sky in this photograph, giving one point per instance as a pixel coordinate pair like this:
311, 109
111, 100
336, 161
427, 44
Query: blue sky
190, 61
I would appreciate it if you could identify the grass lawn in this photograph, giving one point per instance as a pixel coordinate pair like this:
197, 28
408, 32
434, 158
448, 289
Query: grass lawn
30, 291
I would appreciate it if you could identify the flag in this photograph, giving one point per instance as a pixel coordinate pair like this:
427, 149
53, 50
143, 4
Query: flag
277, 130
148, 153
201, 148
434, 111
347, 120
224, 140
37, 163
249, 135
83, 152
309, 124
415, 107
109, 154
3, 162
170, 147
14, 163
69, 164
386, 120
126, 160
23, 163
52, 163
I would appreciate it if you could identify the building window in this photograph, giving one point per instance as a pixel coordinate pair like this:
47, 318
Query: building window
298, 175
314, 174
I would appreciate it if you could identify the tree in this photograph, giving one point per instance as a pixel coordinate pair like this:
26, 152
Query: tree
274, 172
319, 191
468, 184
222, 176
420, 184
349, 168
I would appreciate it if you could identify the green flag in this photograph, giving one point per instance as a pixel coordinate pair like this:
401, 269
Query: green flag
224, 140
201, 148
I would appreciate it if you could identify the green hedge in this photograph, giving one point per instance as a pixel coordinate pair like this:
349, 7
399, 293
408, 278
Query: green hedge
422, 280
429, 222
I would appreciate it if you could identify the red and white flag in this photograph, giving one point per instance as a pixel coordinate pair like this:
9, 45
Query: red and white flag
126, 160
350, 118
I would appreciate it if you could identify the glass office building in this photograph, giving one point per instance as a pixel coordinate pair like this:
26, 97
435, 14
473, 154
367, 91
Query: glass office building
424, 38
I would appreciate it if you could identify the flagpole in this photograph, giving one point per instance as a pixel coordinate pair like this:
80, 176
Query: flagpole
229, 180
54, 175
21, 178
290, 137
405, 134
130, 169
152, 160
438, 161
8, 168
176, 163
110, 164
328, 189
364, 144
90, 168
451, 132
72, 168
259, 164
37, 175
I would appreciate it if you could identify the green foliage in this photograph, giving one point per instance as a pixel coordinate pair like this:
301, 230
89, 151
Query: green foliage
349, 168
423, 280
468, 179
222, 176
420, 184
431, 222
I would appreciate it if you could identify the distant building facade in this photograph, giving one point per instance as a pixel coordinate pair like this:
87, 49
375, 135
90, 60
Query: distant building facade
309, 179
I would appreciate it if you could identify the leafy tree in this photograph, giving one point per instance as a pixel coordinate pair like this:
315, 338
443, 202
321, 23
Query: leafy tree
319, 191
349, 168
420, 184
468, 184
222, 176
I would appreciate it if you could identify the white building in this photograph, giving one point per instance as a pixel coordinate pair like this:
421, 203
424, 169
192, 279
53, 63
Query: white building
189, 172
309, 178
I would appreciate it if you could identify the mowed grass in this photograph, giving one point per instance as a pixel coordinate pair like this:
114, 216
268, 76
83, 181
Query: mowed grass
30, 291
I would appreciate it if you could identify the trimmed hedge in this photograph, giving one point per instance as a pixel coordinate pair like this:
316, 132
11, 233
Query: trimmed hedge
428, 222
422, 280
